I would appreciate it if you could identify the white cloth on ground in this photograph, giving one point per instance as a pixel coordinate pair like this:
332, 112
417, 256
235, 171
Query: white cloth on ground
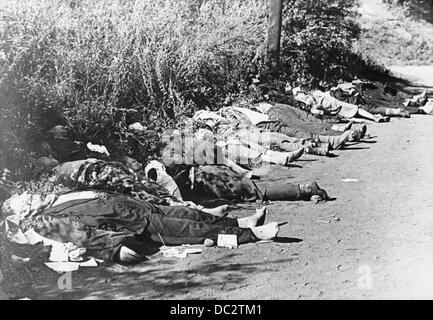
253, 116
164, 179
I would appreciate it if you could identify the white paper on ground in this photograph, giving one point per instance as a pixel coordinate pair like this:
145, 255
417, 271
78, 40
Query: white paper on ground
62, 267
227, 241
89, 264
350, 180
179, 253
59, 253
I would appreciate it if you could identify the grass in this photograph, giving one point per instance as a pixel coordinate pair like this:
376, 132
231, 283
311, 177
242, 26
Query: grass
395, 36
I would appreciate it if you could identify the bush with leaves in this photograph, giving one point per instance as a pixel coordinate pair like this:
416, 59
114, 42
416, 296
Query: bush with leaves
318, 37
417, 9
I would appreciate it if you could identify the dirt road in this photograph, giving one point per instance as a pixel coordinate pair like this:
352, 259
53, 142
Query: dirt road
419, 75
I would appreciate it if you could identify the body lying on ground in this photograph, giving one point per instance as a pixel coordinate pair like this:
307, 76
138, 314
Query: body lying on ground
393, 102
320, 100
377, 99
205, 149
117, 227
374, 98
220, 182
302, 124
113, 176
230, 125
294, 127
189, 182
249, 127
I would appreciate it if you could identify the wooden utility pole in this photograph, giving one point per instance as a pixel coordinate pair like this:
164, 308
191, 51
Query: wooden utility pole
274, 34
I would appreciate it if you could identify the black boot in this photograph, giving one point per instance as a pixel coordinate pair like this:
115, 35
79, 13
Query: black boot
323, 150
312, 189
282, 192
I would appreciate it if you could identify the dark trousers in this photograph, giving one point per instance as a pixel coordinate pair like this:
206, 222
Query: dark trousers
115, 217
281, 192
296, 123
180, 225
277, 126
295, 118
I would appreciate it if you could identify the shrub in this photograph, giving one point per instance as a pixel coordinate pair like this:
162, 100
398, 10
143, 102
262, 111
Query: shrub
418, 9
318, 36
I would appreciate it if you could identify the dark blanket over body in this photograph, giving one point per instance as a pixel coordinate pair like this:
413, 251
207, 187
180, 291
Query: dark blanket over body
301, 120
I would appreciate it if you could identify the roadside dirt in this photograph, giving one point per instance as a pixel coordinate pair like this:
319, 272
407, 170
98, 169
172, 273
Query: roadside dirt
420, 76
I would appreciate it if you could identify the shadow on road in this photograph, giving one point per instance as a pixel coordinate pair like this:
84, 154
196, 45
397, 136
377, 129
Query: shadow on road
153, 280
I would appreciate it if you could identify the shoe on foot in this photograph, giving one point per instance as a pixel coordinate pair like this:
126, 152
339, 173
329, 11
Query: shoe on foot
266, 232
404, 113
313, 189
381, 119
295, 155
338, 142
358, 134
342, 127
319, 151
126, 255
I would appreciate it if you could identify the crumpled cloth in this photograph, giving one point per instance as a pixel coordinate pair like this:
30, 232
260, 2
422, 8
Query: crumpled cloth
60, 252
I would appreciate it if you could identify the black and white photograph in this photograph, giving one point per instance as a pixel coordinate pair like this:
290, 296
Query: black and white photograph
231, 151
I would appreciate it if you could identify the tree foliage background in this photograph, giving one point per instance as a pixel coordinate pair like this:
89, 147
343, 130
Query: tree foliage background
417, 9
